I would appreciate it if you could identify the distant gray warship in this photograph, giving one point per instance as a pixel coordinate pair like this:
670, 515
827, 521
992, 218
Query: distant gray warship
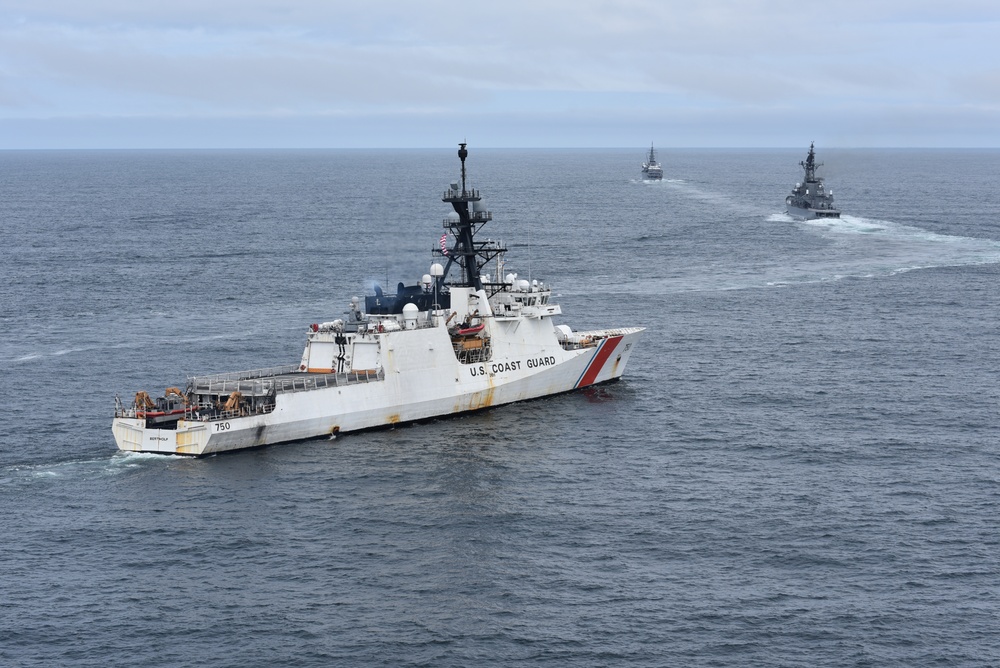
651, 169
810, 199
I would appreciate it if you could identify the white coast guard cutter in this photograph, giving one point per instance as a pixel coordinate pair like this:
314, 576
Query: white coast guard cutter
436, 348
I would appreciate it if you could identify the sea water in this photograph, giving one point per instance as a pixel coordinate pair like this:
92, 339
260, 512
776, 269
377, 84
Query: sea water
800, 467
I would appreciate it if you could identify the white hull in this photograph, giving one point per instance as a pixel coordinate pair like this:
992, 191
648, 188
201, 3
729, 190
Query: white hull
422, 379
434, 348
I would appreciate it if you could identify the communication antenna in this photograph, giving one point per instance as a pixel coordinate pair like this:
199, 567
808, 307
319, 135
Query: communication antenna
529, 260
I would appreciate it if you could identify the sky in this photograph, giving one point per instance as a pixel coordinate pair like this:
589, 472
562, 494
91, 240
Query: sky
500, 73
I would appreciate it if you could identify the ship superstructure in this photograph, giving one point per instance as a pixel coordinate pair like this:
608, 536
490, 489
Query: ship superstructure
810, 199
467, 336
651, 169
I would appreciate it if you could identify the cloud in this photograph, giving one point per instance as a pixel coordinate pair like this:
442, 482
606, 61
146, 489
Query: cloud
62, 59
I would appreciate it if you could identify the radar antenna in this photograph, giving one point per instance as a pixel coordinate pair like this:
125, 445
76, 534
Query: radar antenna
810, 164
471, 255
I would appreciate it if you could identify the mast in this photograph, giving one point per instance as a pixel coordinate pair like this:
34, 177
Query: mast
471, 255
810, 165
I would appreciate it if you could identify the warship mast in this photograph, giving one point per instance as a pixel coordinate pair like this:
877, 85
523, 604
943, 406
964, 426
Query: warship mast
469, 254
810, 164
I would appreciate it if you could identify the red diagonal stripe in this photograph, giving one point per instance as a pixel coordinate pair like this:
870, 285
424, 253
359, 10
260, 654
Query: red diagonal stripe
598, 362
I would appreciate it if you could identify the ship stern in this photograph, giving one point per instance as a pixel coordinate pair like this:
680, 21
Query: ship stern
132, 435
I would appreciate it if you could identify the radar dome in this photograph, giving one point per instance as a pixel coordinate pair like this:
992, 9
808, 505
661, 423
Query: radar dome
410, 312
437, 270
453, 217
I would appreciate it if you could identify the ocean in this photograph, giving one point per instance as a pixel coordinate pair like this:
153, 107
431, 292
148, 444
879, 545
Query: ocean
800, 467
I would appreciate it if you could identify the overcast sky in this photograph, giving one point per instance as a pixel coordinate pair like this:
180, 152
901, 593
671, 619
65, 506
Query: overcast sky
517, 73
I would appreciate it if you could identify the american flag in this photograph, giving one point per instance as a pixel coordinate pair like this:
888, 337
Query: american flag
444, 243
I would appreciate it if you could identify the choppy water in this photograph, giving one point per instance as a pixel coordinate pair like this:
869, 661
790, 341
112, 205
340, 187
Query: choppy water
801, 468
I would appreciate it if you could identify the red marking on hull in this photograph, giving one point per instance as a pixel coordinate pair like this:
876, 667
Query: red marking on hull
596, 364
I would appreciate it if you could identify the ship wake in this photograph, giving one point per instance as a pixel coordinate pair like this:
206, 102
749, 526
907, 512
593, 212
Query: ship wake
851, 247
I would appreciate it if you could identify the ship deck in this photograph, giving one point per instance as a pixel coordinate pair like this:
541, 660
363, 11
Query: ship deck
276, 380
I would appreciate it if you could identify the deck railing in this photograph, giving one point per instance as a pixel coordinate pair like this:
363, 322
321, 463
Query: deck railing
257, 394
289, 380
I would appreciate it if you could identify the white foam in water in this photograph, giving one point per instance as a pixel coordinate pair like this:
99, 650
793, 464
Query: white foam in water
718, 200
117, 463
859, 225
862, 248
846, 225
131, 458
915, 246
59, 352
122, 461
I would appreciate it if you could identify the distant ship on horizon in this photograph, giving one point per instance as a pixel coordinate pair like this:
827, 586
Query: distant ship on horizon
651, 169
810, 199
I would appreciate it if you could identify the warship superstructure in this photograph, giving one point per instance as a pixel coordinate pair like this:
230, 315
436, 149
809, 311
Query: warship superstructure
810, 199
651, 169
467, 336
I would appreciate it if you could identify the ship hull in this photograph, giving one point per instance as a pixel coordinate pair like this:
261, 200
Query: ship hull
810, 213
436, 348
427, 382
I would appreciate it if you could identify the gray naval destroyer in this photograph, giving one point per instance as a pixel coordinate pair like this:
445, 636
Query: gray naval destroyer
651, 169
810, 199
467, 336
